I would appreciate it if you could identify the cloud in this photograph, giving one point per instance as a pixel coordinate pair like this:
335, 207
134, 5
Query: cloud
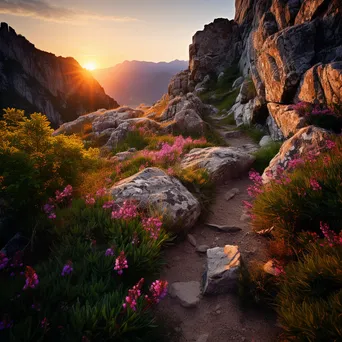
43, 10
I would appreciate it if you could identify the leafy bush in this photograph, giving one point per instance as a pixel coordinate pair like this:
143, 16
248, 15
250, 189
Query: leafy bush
134, 139
95, 284
33, 163
264, 155
300, 199
309, 303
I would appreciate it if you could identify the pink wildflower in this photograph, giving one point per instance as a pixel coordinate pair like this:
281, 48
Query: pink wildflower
133, 295
121, 263
126, 212
152, 225
44, 323
108, 180
108, 205
109, 252
170, 171
101, 192
315, 185
65, 194
332, 239
158, 291
31, 278
3, 260
89, 200
67, 269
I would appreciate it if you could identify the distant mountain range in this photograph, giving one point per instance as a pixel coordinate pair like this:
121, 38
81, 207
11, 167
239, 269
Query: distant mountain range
135, 82
36, 80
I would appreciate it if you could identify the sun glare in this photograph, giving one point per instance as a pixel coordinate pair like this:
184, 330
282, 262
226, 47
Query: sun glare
89, 66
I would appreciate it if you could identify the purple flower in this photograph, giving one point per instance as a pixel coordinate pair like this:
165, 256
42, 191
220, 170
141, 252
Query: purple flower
67, 269
31, 278
3, 260
109, 252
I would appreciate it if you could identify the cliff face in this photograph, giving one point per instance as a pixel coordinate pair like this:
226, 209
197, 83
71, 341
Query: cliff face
35, 80
292, 50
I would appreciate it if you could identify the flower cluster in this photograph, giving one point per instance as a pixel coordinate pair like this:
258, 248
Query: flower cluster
158, 291
6, 324
49, 210
3, 260
64, 195
109, 252
101, 193
89, 199
121, 263
67, 269
31, 278
256, 188
133, 295
332, 239
126, 212
109, 205
152, 225
315, 185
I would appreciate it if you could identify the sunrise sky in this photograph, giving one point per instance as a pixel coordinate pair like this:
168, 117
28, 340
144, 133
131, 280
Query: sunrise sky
102, 33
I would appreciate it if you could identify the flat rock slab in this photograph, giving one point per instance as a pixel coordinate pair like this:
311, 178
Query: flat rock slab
231, 194
222, 273
202, 248
188, 293
226, 229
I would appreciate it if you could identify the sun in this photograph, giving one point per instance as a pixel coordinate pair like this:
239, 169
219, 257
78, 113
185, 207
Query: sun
89, 66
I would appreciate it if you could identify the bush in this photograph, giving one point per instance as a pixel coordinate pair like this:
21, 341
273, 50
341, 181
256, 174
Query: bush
265, 155
309, 193
309, 303
33, 163
134, 139
253, 132
85, 290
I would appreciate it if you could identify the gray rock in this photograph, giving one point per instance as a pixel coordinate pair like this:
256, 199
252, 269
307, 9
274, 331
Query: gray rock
191, 239
231, 194
275, 132
222, 269
202, 248
237, 83
222, 163
122, 156
265, 140
152, 187
203, 338
227, 229
188, 293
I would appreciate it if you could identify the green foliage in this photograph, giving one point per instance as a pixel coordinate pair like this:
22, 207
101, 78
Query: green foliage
253, 132
294, 206
265, 155
33, 163
134, 139
309, 303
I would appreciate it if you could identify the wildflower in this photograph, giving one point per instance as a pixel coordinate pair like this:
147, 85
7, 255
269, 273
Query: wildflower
315, 185
108, 205
101, 192
109, 252
108, 180
135, 240
294, 163
126, 212
133, 295
49, 210
152, 225
332, 239
65, 194
170, 171
6, 324
3, 260
330, 144
67, 269
120, 263
44, 323
158, 291
89, 200
31, 278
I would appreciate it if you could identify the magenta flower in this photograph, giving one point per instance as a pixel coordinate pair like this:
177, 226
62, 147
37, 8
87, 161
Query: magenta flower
49, 210
126, 212
121, 263
65, 194
3, 260
158, 291
109, 252
101, 192
108, 205
89, 200
31, 278
332, 239
67, 269
44, 323
152, 225
315, 185
133, 295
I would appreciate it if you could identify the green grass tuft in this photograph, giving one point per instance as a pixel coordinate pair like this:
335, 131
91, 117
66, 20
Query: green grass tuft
265, 155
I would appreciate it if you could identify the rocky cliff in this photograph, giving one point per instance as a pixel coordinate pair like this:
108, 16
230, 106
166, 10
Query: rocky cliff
291, 49
35, 80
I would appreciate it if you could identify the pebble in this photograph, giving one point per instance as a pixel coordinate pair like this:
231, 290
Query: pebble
202, 248
192, 240
231, 194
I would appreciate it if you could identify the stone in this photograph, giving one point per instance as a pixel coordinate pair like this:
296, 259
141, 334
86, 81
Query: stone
265, 140
286, 118
188, 293
202, 248
222, 269
275, 132
179, 84
122, 156
152, 187
231, 194
188, 121
192, 240
307, 140
247, 91
227, 229
237, 83
203, 338
322, 84
221, 163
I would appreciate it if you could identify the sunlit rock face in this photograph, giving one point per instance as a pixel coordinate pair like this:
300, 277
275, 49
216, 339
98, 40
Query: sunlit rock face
35, 80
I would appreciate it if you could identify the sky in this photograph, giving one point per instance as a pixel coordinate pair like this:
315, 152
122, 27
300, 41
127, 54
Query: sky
102, 33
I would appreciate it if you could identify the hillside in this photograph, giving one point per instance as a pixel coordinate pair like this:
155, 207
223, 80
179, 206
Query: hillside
35, 80
135, 82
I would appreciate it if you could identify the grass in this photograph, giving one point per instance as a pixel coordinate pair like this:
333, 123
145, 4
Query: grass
227, 121
265, 155
253, 132
134, 139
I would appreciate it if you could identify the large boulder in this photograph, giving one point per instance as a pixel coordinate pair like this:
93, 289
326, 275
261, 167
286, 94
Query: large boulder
222, 163
223, 269
275, 131
214, 49
152, 187
322, 83
308, 140
188, 121
287, 119
179, 84
285, 57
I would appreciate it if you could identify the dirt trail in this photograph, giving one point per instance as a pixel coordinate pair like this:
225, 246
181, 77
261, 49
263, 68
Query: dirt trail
221, 317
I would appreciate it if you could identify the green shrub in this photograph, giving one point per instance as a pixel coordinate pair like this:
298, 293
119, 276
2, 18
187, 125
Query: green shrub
302, 198
33, 163
264, 155
309, 303
134, 139
253, 132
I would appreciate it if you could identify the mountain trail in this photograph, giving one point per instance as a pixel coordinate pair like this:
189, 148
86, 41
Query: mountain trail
217, 317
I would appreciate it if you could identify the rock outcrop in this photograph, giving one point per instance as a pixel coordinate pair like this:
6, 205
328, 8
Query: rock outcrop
35, 80
221, 163
152, 187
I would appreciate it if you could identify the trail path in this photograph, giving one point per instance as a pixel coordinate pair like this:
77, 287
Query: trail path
219, 317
